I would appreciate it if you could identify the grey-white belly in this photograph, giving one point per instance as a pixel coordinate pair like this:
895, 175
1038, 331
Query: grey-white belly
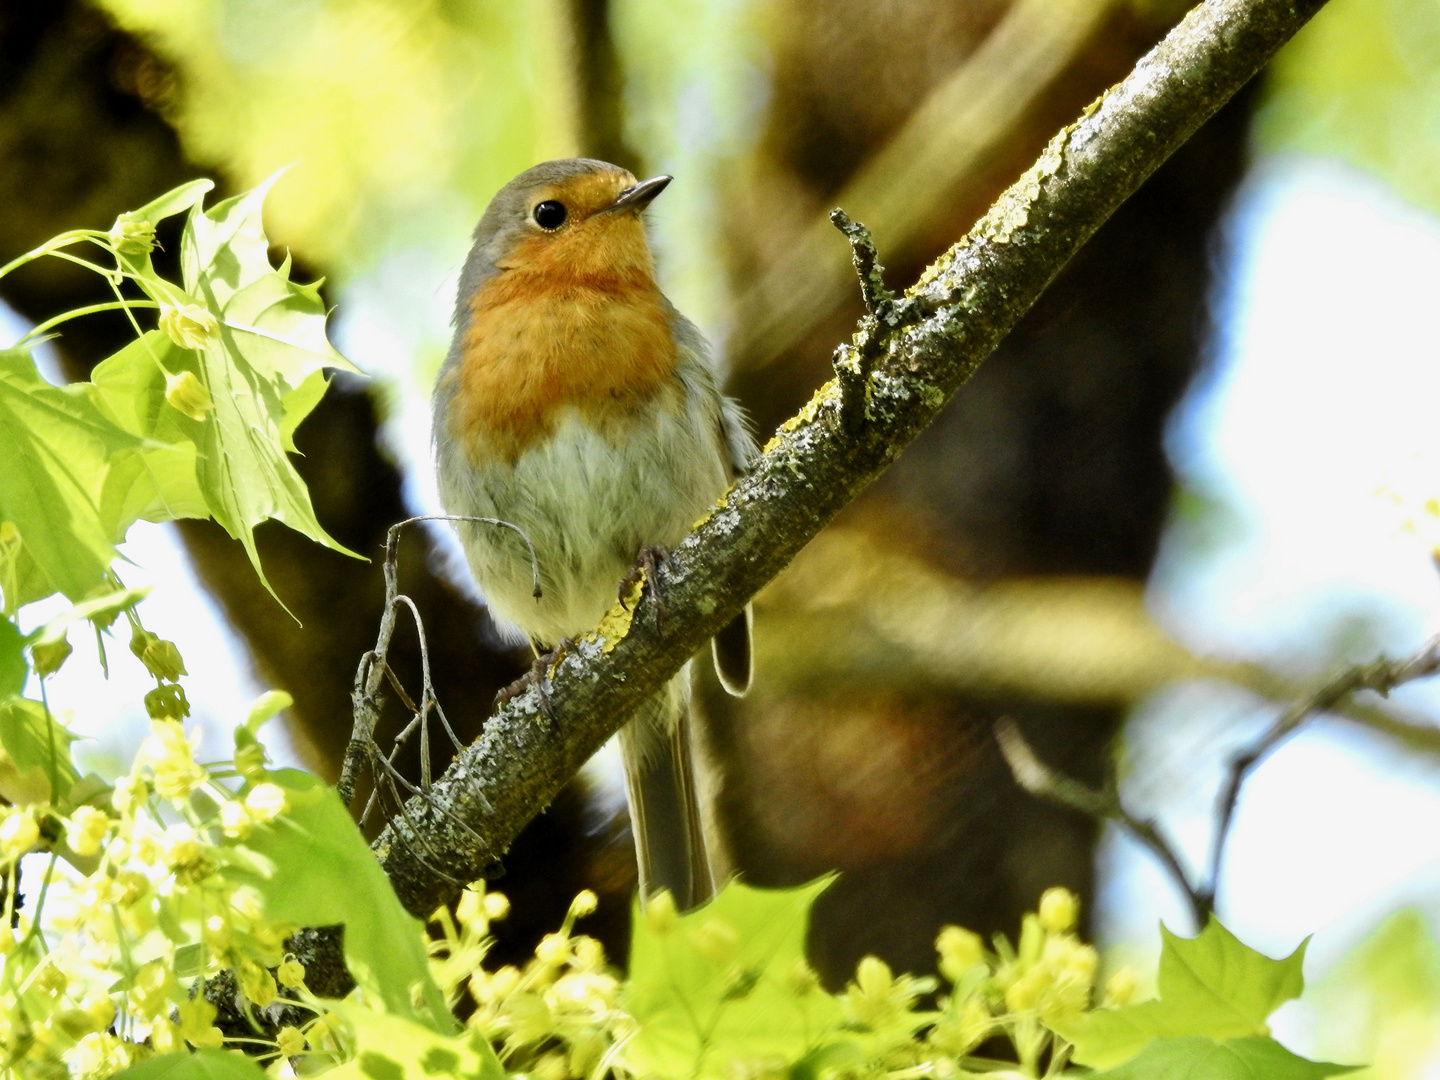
588, 506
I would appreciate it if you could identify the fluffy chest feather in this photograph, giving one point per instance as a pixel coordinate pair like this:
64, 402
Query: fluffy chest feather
540, 344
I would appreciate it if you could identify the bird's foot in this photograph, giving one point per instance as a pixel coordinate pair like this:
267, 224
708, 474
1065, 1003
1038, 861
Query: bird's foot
539, 677
654, 561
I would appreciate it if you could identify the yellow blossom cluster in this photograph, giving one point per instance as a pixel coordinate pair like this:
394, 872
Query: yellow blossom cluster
556, 1018
1018, 991
127, 909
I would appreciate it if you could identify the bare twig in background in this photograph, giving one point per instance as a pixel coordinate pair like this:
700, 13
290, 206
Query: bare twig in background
1040, 780
1382, 676
599, 85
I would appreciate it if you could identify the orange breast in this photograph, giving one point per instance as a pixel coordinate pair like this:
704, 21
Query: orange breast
549, 333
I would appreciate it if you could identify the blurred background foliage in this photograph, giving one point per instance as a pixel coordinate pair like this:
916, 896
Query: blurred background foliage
1362, 84
1000, 569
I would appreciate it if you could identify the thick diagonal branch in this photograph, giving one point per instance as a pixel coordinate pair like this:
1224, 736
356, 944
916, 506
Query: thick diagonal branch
944, 328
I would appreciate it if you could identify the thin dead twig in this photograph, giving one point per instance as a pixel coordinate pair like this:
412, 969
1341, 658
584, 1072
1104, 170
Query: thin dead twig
1382, 676
1040, 780
374, 668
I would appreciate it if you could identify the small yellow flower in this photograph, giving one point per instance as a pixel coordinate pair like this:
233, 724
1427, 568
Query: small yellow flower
187, 394
131, 235
130, 794
257, 984
582, 997
165, 1036
50, 979
167, 702
960, 950
197, 1023
235, 819
873, 977
168, 752
152, 989
49, 656
18, 833
216, 934
1059, 910
98, 1054
291, 1041
131, 885
661, 914
553, 949
585, 903
497, 906
487, 989
1024, 993
250, 760
265, 802
188, 325
470, 912
551, 1067
160, 657
86, 830
1120, 987
877, 998
587, 1047
587, 954
291, 973
100, 1009
959, 1034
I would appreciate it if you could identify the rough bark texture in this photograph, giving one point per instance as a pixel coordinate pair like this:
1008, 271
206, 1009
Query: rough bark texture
943, 329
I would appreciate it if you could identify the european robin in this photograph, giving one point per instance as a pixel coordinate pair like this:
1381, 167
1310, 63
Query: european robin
577, 404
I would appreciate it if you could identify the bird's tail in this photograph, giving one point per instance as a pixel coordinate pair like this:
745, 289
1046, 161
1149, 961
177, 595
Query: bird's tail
660, 783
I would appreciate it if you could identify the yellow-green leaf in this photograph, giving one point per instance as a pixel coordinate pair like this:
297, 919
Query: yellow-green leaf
1211, 985
726, 981
55, 445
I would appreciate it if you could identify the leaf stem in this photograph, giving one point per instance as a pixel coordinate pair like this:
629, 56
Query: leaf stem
64, 317
53, 246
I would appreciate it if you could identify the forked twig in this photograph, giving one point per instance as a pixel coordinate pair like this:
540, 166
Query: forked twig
1040, 780
375, 668
1382, 676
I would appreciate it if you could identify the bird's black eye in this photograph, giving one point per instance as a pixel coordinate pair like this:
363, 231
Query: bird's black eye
550, 215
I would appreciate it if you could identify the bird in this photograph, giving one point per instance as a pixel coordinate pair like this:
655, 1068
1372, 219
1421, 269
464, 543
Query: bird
580, 407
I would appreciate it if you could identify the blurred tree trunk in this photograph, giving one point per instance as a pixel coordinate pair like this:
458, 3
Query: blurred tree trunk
1049, 462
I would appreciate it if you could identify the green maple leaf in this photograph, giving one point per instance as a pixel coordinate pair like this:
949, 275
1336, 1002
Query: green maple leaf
56, 446
725, 982
1211, 985
1197, 1058
37, 748
197, 1065
391, 1048
255, 353
313, 868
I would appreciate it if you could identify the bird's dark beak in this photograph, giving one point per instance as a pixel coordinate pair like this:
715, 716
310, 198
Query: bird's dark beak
638, 196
